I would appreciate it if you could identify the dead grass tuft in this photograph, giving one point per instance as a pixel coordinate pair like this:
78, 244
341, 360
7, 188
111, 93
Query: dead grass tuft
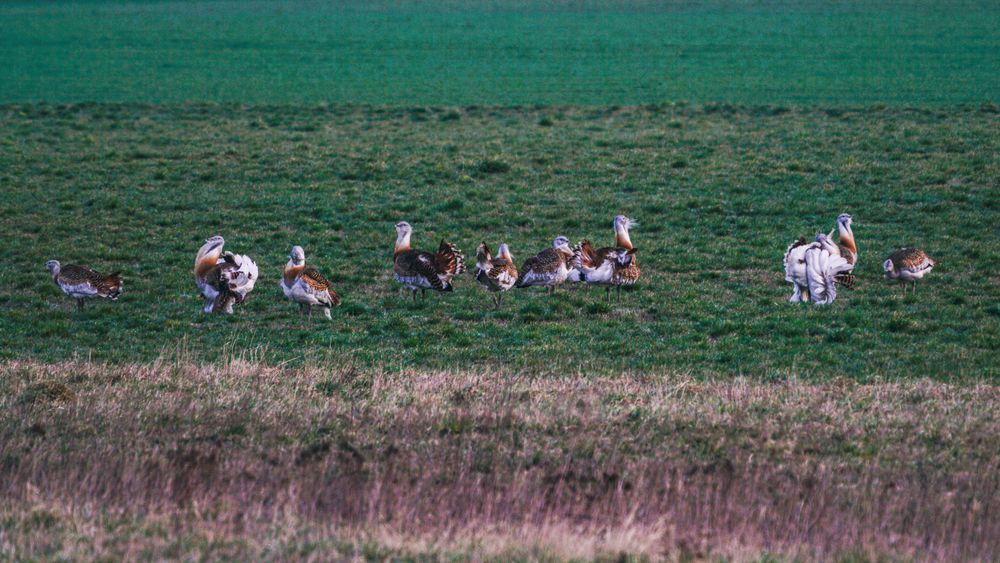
244, 460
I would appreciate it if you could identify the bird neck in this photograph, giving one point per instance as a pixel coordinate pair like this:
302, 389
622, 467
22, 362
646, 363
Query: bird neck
402, 242
847, 238
622, 239
292, 271
206, 260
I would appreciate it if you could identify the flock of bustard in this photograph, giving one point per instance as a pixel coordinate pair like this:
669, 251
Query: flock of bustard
225, 279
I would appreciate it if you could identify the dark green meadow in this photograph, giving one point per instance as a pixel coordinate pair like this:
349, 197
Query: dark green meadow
502, 52
719, 191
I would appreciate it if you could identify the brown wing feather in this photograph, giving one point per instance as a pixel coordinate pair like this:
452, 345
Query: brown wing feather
601, 254
501, 266
547, 260
312, 277
334, 297
627, 274
414, 262
912, 259
587, 257
214, 277
106, 285
584, 254
72, 273
449, 259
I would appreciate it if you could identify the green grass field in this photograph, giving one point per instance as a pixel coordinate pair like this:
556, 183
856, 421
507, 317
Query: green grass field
803, 52
703, 417
718, 191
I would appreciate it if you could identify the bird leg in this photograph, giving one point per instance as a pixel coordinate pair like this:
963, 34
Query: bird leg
618, 292
607, 293
79, 304
309, 311
423, 293
414, 295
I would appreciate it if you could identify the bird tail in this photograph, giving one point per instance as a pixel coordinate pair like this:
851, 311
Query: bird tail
334, 298
584, 257
846, 279
111, 286
450, 263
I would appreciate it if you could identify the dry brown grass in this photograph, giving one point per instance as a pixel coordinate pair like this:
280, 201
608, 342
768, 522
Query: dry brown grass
243, 460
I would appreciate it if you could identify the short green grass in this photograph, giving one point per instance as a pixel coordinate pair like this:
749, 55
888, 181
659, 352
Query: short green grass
911, 52
718, 190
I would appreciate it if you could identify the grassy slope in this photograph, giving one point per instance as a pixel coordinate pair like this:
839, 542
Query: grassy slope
791, 52
242, 461
719, 193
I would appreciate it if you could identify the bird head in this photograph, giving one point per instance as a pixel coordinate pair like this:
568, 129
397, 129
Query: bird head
214, 242
504, 252
53, 266
562, 243
297, 255
623, 223
844, 220
889, 268
403, 228
212, 246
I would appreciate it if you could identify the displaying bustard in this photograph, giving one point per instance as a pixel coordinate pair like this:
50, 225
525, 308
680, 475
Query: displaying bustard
824, 264
223, 278
795, 270
82, 283
416, 269
908, 265
795, 259
498, 274
549, 267
611, 266
306, 286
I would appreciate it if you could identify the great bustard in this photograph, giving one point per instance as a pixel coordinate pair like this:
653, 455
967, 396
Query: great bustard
82, 283
223, 278
795, 259
611, 266
908, 265
416, 269
549, 267
498, 274
306, 286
